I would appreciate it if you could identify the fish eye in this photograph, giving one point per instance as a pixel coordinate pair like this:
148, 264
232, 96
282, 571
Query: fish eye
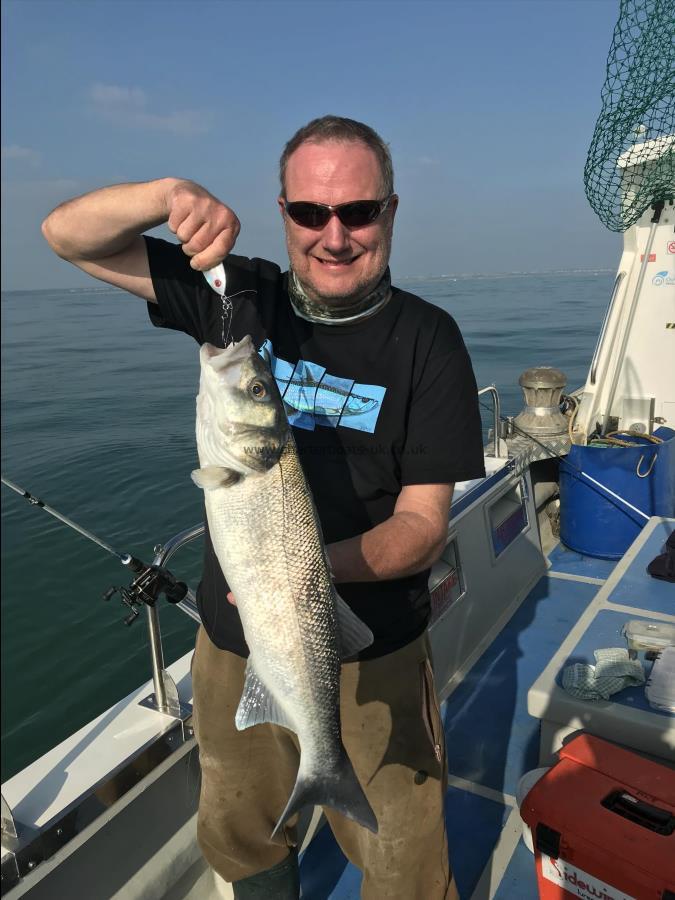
258, 390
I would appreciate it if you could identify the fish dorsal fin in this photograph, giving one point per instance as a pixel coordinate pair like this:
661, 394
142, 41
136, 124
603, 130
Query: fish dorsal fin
353, 634
208, 478
257, 705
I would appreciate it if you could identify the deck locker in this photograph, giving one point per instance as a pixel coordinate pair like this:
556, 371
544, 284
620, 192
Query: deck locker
603, 824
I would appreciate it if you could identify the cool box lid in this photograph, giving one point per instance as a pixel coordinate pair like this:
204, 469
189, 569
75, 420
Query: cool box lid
601, 802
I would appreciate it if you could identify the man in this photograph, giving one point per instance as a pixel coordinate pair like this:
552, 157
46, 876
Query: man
379, 388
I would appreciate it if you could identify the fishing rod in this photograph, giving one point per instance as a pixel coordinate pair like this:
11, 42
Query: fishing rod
150, 581
610, 495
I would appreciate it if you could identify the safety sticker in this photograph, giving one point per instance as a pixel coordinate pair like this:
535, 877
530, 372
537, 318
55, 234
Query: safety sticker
652, 257
671, 246
577, 882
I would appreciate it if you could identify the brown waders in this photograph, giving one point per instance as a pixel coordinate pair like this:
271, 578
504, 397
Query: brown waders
393, 734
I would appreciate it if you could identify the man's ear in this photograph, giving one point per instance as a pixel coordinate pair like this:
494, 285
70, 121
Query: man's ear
281, 202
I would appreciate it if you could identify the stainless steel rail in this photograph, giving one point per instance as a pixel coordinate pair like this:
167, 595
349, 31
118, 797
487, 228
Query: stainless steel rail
618, 282
160, 678
496, 412
167, 550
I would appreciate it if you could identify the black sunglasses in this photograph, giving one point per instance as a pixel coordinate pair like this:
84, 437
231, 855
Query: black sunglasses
352, 215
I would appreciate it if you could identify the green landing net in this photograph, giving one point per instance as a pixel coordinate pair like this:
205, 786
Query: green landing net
631, 160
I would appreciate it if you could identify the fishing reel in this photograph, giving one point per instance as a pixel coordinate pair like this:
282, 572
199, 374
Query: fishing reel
150, 582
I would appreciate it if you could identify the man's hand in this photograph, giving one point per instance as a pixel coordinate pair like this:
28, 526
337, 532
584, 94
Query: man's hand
230, 598
206, 228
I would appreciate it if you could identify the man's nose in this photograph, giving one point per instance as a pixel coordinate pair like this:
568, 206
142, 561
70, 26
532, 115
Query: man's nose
335, 237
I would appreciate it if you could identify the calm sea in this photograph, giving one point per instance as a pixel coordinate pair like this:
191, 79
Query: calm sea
98, 421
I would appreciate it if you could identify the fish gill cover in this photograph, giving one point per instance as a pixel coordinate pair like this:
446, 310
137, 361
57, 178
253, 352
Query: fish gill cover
631, 160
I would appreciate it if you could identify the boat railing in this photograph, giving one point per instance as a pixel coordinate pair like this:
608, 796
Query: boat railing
603, 328
165, 698
491, 389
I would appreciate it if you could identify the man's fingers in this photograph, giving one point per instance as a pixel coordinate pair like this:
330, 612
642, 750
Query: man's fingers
230, 598
179, 215
216, 252
189, 228
199, 240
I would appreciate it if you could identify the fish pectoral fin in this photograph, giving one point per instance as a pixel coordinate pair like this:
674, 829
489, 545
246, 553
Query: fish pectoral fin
257, 705
353, 634
209, 478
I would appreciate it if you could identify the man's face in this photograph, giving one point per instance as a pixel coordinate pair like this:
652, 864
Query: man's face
336, 263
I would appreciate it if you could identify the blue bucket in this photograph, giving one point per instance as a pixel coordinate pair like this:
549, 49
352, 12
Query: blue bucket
593, 522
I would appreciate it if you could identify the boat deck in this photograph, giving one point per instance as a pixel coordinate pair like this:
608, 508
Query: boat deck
492, 740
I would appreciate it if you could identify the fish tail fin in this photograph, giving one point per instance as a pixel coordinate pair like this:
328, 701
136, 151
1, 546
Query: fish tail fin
339, 789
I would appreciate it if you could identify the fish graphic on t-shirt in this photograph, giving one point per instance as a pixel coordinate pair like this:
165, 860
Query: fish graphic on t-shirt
312, 396
299, 394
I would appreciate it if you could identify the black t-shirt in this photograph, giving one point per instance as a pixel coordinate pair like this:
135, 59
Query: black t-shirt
375, 405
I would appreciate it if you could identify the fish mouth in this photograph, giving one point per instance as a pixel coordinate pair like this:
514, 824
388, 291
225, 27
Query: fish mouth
236, 352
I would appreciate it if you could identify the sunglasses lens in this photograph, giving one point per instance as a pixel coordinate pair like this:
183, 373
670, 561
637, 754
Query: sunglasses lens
359, 213
352, 215
308, 215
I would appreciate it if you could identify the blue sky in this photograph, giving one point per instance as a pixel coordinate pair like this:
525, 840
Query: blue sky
488, 107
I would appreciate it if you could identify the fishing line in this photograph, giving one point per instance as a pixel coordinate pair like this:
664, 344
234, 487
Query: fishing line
611, 496
227, 311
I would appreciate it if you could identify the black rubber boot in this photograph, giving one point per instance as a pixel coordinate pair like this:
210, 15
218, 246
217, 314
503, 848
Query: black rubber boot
281, 882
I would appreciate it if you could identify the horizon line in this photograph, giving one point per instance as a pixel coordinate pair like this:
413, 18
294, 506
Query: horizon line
422, 277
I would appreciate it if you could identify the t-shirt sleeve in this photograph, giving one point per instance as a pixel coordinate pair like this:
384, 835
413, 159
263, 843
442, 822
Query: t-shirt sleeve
184, 300
444, 442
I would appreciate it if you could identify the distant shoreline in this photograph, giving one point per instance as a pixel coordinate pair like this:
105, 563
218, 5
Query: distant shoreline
465, 275
459, 276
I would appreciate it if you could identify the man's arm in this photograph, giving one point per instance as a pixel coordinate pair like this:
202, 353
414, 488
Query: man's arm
101, 232
411, 540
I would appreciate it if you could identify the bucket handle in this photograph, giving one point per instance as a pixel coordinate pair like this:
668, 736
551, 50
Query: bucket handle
649, 470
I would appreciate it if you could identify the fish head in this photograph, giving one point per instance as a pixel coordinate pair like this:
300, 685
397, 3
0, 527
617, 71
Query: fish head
241, 422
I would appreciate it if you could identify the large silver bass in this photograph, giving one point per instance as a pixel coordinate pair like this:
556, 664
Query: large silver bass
267, 538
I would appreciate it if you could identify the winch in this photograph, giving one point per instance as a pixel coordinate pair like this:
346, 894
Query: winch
542, 387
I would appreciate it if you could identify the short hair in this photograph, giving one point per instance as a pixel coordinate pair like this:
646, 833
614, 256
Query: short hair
336, 128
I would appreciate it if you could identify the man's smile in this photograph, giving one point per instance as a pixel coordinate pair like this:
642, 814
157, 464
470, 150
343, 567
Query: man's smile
336, 263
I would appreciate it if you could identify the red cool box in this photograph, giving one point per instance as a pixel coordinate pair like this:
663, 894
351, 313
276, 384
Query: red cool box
603, 825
